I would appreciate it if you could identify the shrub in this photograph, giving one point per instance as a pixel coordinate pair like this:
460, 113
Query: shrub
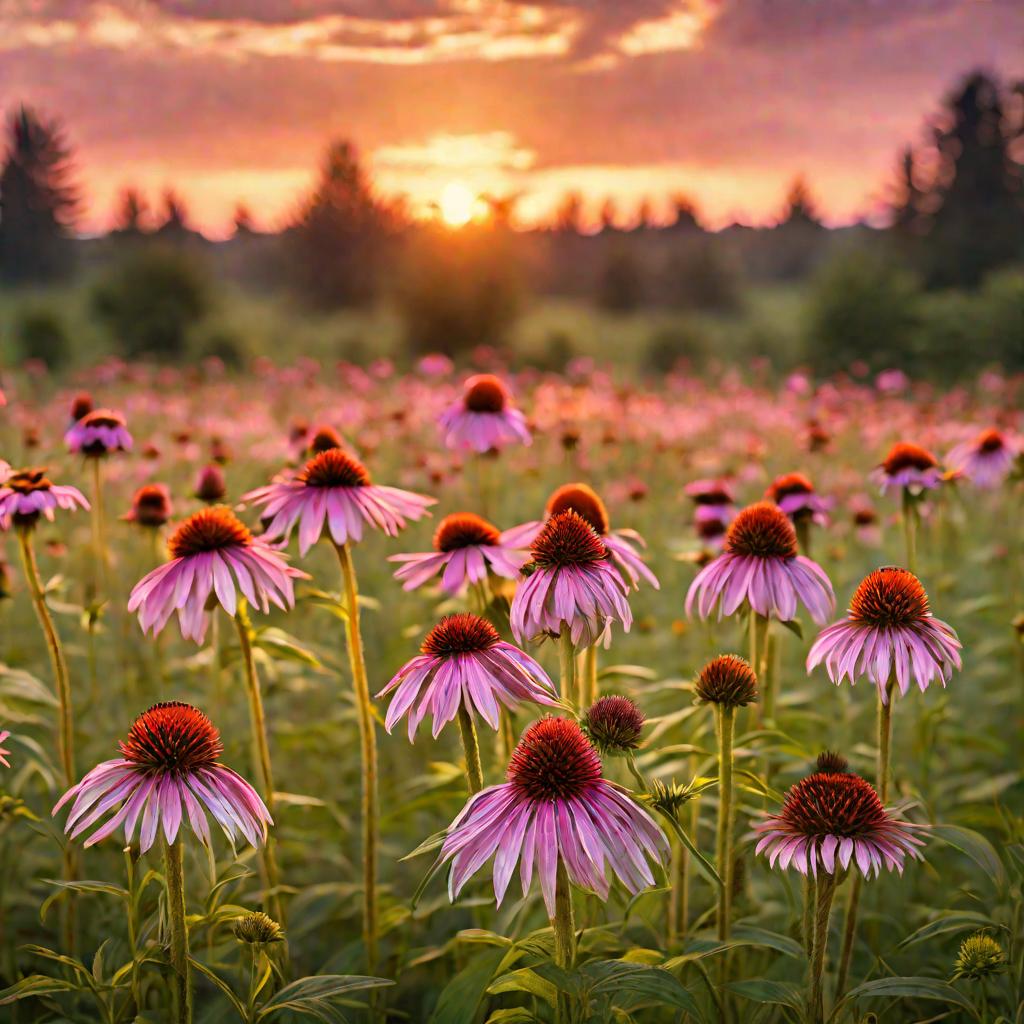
151, 301
680, 343
864, 307
40, 333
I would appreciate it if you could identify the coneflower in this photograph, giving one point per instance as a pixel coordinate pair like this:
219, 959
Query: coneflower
169, 772
795, 495
466, 548
483, 418
210, 486
912, 470
151, 506
987, 459
465, 670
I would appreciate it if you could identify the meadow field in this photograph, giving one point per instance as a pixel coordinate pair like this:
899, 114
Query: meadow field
687, 924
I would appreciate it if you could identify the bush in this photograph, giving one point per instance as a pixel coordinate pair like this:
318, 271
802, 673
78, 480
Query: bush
1002, 302
700, 277
863, 307
40, 333
455, 292
151, 301
670, 346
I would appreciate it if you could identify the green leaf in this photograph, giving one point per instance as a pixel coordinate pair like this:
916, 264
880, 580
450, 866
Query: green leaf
525, 980
956, 922
283, 646
617, 979
780, 993
314, 996
460, 998
516, 1015
913, 988
221, 984
34, 985
976, 846
794, 626
628, 672
89, 886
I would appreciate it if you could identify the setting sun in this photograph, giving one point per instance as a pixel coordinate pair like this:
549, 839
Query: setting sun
458, 204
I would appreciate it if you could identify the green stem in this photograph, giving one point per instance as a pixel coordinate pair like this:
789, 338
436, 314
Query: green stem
802, 525
849, 934
726, 719
910, 530
807, 925
826, 887
471, 748
564, 927
567, 665
65, 720
99, 544
174, 878
588, 685
133, 930
258, 725
368, 747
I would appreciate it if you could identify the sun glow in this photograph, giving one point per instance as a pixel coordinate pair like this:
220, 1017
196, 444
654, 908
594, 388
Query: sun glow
458, 204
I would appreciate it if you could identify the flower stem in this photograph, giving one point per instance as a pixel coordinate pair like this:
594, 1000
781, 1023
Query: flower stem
758, 656
588, 686
726, 720
368, 745
826, 888
807, 925
564, 927
174, 878
567, 665
99, 544
910, 530
65, 720
471, 748
258, 724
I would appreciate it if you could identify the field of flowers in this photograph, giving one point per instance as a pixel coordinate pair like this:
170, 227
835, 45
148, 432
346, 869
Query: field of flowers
641, 785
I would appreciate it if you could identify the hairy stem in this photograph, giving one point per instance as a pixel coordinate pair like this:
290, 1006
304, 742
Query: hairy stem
174, 878
564, 927
910, 530
567, 665
588, 685
471, 748
368, 749
826, 887
726, 814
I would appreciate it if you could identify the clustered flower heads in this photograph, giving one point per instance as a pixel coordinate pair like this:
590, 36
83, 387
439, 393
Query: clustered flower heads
334, 490
727, 681
570, 583
761, 566
484, 417
555, 806
614, 724
833, 820
464, 663
169, 770
979, 957
466, 548
888, 631
99, 432
213, 555
25, 494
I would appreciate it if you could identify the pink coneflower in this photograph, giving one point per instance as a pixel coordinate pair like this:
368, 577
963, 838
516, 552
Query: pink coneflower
795, 495
99, 432
570, 584
484, 418
210, 485
908, 467
889, 629
554, 808
81, 405
464, 662
27, 493
466, 548
168, 770
213, 557
762, 566
334, 490
713, 499
832, 820
151, 506
586, 502
4, 734
987, 460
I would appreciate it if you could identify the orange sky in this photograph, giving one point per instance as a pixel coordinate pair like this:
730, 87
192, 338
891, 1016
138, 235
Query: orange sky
724, 100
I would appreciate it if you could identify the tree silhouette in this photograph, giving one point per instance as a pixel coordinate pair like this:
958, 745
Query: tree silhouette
978, 223
131, 209
800, 205
569, 215
38, 200
684, 214
337, 241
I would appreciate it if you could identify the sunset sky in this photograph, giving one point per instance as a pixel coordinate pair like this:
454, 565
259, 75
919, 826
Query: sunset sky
725, 100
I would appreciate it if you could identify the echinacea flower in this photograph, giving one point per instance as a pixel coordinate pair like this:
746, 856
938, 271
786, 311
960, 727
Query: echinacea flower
889, 630
81, 405
979, 957
986, 460
210, 486
795, 495
728, 681
257, 929
570, 583
4, 734
333, 491
908, 467
213, 557
832, 821
484, 417
169, 770
27, 493
762, 566
151, 506
713, 499
466, 548
586, 502
464, 663
554, 807
614, 724
99, 432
